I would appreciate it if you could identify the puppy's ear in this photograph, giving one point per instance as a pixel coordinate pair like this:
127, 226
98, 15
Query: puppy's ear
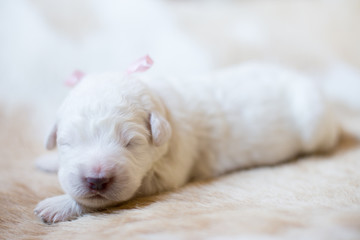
51, 140
160, 129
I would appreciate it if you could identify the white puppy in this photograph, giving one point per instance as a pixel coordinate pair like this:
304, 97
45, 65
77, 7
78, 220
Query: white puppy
125, 136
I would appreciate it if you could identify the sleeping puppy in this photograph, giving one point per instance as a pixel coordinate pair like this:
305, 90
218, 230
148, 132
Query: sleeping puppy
124, 136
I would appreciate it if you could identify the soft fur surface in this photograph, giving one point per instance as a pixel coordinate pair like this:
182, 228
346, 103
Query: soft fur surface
312, 197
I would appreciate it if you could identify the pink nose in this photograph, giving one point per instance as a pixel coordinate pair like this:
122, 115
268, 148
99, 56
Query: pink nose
97, 183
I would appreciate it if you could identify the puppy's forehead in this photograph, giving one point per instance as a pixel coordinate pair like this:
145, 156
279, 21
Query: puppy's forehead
107, 87
104, 92
104, 105
103, 124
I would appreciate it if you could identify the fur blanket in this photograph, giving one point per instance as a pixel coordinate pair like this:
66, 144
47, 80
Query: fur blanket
312, 197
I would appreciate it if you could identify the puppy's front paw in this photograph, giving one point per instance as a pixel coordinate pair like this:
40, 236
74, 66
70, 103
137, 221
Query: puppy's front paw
57, 209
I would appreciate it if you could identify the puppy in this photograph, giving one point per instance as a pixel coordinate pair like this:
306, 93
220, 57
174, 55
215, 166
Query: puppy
120, 137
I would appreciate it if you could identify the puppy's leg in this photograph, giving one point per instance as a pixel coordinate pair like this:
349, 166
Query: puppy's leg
57, 209
48, 162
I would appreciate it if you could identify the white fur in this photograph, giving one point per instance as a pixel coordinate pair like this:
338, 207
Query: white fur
150, 134
59, 208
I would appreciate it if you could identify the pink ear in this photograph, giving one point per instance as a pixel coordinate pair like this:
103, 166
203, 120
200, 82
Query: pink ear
141, 65
75, 78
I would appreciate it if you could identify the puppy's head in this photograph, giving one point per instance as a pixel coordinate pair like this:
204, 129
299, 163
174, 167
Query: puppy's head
109, 132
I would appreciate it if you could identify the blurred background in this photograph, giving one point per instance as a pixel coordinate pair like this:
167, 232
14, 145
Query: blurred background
43, 41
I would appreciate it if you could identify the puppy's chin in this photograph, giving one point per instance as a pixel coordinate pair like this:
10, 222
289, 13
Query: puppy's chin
102, 200
105, 199
96, 202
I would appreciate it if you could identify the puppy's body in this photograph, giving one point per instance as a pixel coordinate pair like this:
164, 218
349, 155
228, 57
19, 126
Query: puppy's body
149, 135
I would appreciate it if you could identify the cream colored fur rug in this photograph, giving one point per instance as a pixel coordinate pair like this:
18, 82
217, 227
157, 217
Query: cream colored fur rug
312, 197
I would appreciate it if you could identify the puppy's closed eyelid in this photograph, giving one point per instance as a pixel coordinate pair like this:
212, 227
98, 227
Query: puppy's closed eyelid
134, 142
63, 143
131, 143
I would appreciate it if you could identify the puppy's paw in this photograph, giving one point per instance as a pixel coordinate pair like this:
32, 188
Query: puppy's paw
48, 162
58, 209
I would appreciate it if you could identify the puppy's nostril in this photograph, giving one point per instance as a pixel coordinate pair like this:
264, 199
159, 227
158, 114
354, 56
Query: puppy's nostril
97, 183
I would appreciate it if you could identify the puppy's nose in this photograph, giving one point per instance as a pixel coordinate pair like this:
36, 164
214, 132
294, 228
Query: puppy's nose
97, 183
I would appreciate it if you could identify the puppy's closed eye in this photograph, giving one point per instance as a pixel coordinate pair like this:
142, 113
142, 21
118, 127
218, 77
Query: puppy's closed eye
63, 143
135, 141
